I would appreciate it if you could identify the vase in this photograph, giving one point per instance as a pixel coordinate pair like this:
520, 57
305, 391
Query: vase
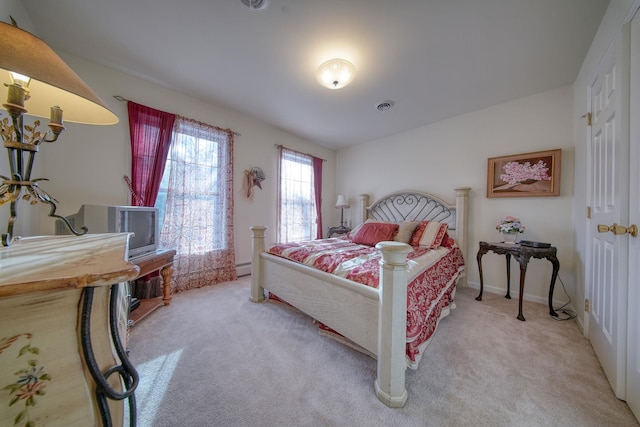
510, 237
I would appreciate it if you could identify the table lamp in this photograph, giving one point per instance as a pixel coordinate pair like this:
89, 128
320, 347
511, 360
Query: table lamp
342, 203
31, 71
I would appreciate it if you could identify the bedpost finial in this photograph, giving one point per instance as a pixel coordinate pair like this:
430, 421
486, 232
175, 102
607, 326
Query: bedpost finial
462, 191
394, 253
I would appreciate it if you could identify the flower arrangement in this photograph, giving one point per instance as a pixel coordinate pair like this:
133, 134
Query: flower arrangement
510, 224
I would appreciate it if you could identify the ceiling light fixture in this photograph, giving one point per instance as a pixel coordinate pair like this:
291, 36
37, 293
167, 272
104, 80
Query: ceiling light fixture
335, 74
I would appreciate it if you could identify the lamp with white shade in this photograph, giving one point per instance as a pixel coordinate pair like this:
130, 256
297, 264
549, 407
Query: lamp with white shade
341, 204
32, 72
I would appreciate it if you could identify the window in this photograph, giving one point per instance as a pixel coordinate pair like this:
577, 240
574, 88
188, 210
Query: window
185, 168
196, 203
298, 208
199, 190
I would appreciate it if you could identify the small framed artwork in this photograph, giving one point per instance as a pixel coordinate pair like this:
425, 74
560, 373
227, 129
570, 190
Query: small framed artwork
525, 175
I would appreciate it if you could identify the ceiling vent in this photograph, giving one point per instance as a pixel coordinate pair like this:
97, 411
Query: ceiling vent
256, 4
385, 105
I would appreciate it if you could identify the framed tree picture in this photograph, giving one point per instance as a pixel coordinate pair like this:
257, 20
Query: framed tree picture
525, 175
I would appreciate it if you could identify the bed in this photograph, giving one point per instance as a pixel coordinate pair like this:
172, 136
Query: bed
374, 319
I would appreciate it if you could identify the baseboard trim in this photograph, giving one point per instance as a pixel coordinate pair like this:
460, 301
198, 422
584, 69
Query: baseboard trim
514, 294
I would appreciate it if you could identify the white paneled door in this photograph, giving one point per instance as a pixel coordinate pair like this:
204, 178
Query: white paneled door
633, 328
608, 199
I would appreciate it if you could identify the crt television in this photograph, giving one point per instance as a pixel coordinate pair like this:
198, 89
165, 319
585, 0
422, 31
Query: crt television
142, 221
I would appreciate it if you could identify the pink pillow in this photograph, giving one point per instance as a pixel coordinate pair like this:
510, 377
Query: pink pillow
448, 241
371, 233
357, 227
429, 234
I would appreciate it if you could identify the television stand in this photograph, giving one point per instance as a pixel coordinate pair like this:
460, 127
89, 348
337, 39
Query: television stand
161, 260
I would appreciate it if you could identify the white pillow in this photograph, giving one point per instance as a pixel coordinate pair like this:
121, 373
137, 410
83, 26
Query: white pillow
405, 231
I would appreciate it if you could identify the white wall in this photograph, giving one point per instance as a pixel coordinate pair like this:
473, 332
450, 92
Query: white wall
87, 164
453, 153
610, 28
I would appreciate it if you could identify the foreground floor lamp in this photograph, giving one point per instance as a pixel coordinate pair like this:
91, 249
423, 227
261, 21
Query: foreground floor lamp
31, 71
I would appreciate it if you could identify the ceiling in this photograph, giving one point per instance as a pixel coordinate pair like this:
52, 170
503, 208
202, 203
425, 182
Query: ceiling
435, 59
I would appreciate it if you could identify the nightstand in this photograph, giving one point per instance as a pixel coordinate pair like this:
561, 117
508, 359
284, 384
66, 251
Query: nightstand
522, 254
337, 231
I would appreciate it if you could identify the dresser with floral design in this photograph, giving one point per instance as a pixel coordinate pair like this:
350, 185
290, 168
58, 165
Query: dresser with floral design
62, 317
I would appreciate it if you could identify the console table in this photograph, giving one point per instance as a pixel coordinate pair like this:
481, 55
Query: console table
522, 254
162, 260
62, 320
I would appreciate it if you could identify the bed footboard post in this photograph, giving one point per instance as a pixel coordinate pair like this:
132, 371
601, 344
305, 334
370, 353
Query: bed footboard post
392, 324
462, 213
257, 243
363, 200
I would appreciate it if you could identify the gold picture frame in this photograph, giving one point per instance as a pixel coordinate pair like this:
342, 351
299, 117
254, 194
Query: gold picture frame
525, 175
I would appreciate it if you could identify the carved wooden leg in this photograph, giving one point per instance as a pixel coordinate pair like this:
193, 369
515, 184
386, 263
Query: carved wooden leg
479, 258
508, 295
554, 275
523, 273
166, 273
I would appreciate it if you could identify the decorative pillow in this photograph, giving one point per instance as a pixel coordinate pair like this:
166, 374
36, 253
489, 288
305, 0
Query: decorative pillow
448, 241
371, 233
429, 234
357, 227
405, 231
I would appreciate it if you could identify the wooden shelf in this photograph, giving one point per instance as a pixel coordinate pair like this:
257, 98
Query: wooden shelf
146, 307
161, 260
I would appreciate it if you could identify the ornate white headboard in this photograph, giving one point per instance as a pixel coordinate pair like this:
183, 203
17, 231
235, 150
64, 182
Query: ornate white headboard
420, 206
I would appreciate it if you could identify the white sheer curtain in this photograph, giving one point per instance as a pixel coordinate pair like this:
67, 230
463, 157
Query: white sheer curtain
198, 215
297, 217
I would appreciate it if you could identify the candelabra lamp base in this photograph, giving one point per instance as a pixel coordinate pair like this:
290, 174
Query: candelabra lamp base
22, 149
10, 191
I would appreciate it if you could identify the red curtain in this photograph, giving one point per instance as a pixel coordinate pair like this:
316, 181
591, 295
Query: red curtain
317, 190
150, 132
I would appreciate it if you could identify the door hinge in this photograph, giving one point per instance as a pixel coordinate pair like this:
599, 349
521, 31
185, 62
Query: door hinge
587, 305
588, 116
588, 212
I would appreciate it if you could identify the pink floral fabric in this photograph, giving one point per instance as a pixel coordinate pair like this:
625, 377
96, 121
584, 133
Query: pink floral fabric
429, 234
433, 274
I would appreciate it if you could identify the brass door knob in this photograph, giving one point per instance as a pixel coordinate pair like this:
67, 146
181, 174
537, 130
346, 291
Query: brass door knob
619, 229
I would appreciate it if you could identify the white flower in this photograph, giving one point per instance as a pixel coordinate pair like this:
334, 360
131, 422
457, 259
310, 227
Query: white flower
510, 224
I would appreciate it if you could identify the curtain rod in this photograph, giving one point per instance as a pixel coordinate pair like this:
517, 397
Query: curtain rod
123, 99
306, 154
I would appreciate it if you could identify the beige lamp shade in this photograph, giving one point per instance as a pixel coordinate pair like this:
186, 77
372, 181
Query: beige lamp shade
52, 81
342, 202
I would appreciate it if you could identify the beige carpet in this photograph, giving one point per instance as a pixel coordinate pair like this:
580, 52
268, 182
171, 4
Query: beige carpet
213, 358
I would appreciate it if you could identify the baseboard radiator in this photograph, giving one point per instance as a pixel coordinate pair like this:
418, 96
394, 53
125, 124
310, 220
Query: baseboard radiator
243, 269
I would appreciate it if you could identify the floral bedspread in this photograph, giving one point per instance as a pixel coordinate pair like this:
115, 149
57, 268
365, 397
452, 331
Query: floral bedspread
432, 275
